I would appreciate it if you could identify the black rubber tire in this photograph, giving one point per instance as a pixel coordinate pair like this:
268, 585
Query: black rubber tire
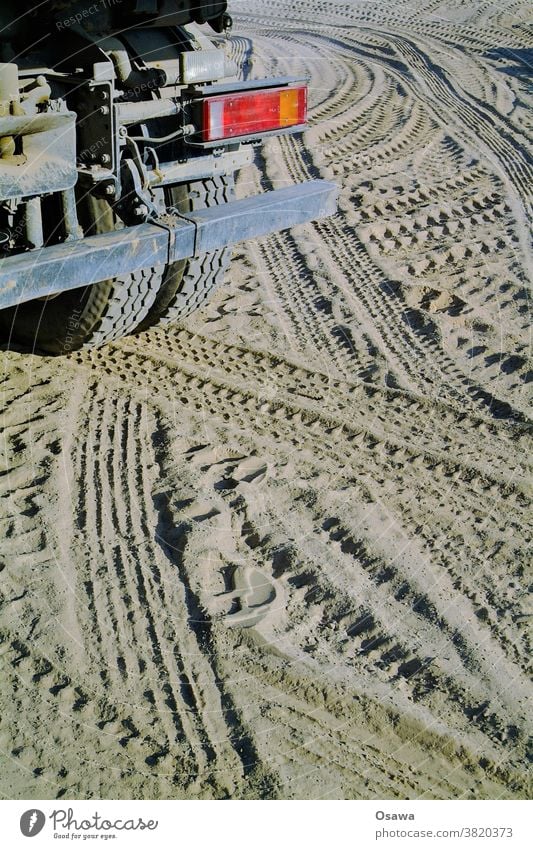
88, 317
188, 284
94, 315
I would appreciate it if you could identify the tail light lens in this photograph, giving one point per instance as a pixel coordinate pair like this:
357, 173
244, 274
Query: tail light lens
246, 113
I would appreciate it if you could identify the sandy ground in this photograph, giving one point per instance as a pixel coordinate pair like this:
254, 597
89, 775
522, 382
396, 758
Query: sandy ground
281, 551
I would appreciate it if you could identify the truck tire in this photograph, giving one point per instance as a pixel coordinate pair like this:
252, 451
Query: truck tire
187, 284
103, 312
90, 316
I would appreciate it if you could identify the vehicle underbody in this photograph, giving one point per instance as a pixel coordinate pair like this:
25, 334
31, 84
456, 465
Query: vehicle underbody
122, 125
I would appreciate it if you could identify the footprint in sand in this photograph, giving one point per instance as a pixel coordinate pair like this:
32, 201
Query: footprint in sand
251, 469
201, 510
255, 593
237, 469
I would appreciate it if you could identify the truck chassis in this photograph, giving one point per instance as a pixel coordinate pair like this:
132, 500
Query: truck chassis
121, 131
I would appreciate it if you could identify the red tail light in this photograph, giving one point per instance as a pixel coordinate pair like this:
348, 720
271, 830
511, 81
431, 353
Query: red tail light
248, 113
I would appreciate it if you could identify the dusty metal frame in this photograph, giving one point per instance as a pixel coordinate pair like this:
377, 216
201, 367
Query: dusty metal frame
71, 265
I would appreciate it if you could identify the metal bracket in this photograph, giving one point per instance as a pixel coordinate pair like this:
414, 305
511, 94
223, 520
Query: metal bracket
135, 203
169, 221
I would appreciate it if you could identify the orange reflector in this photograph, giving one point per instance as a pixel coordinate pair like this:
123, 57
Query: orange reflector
289, 102
247, 113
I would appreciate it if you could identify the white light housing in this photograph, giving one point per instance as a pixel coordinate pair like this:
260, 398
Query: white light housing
202, 66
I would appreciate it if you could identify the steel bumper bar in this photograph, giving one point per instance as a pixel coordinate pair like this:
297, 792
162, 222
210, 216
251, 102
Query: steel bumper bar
70, 265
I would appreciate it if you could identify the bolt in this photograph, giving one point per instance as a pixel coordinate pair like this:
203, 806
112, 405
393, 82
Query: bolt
104, 110
110, 189
105, 159
141, 210
103, 94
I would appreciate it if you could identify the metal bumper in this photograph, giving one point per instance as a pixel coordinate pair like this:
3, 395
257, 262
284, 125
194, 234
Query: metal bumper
70, 265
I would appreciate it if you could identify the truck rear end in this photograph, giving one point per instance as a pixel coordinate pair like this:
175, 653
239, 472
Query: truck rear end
122, 126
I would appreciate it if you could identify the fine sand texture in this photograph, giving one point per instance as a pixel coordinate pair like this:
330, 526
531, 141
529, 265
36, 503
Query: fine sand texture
281, 550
